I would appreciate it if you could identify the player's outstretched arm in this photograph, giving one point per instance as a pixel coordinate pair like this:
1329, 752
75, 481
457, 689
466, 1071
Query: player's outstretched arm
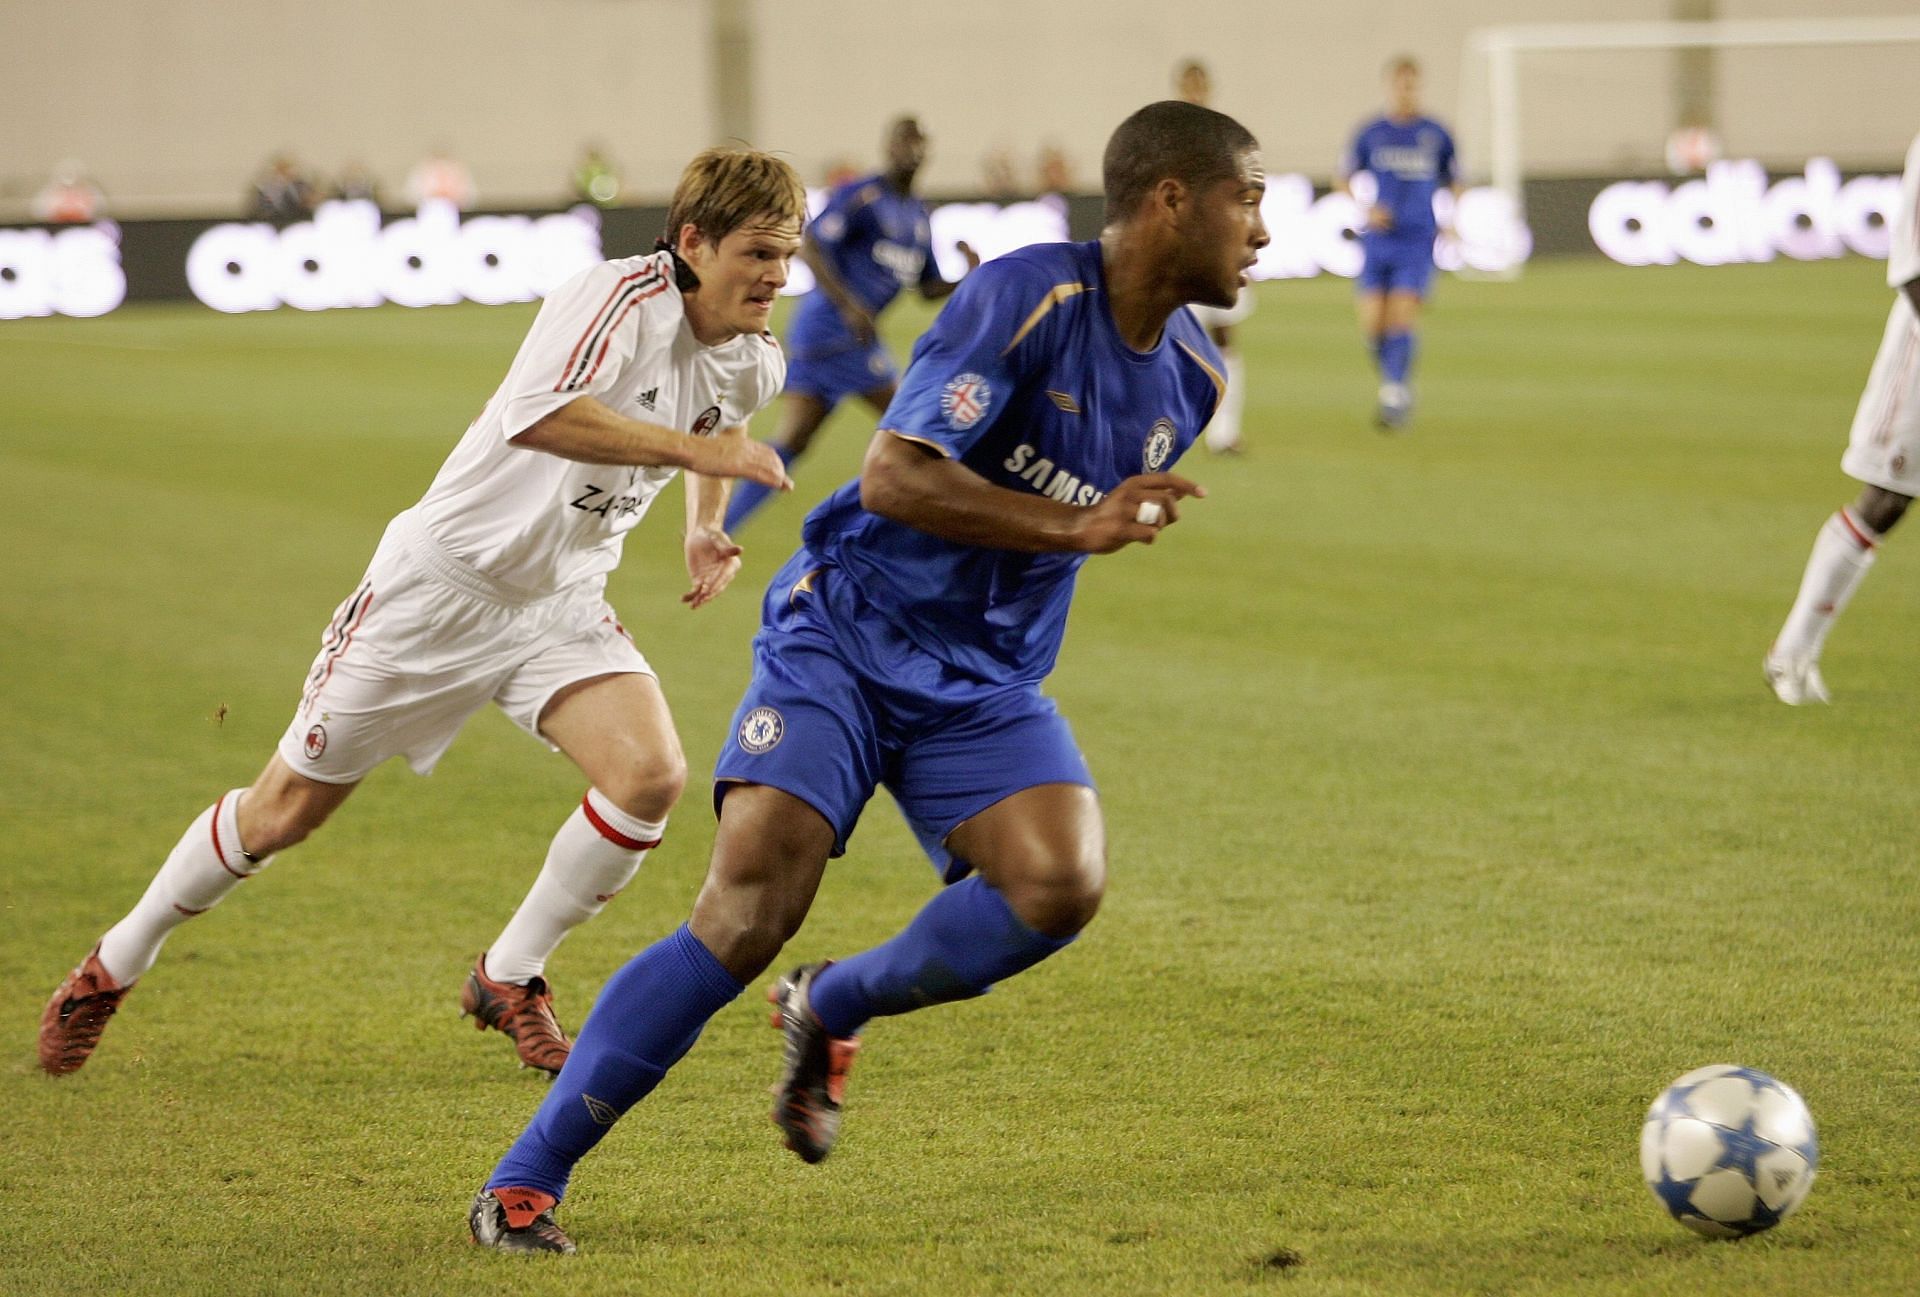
589, 432
713, 560
913, 484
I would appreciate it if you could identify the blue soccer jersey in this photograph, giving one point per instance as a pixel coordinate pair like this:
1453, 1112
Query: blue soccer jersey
878, 241
1024, 379
1408, 160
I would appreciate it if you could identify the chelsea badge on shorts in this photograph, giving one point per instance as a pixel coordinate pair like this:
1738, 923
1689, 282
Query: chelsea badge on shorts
761, 730
1159, 445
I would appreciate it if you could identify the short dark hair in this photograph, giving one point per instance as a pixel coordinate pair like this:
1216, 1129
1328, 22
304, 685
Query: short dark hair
1402, 63
1170, 139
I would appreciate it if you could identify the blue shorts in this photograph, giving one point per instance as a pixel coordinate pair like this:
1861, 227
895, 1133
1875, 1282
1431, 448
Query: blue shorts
831, 714
831, 377
1396, 264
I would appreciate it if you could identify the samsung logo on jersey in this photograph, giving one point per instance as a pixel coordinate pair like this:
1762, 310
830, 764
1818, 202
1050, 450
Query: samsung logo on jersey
1406, 163
1049, 479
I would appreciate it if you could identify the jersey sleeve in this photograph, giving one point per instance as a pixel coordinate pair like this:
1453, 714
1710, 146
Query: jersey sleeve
929, 265
581, 339
769, 376
840, 217
1903, 245
1356, 158
965, 368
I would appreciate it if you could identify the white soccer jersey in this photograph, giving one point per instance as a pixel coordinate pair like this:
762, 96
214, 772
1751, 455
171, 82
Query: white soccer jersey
535, 523
1903, 252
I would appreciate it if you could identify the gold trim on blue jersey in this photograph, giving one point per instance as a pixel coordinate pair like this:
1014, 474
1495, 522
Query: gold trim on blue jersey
1065, 403
1219, 379
919, 441
1059, 294
803, 586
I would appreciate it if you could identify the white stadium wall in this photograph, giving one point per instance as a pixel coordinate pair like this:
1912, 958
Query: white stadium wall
173, 107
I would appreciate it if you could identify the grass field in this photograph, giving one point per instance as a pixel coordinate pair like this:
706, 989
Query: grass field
1450, 821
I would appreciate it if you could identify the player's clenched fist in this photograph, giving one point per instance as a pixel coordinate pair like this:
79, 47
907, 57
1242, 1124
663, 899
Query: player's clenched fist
1135, 511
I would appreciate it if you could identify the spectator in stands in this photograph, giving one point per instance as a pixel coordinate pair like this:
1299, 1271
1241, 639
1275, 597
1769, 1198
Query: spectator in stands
595, 180
70, 197
1056, 173
356, 183
998, 179
440, 177
282, 192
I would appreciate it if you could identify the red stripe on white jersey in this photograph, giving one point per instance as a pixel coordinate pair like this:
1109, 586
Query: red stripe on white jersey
606, 343
599, 317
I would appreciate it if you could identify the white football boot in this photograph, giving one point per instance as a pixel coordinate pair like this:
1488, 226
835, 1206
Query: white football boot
1795, 680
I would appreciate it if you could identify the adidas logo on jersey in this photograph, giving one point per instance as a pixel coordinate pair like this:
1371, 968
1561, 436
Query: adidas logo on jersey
648, 397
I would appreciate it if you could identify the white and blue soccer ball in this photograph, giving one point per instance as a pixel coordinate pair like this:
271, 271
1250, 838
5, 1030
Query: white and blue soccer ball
1729, 1151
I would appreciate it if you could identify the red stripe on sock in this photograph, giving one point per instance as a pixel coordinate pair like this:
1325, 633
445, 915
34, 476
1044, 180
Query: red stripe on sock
220, 855
1860, 537
610, 833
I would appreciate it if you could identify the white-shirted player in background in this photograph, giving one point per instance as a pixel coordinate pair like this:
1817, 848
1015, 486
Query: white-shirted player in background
491, 588
1193, 83
1883, 452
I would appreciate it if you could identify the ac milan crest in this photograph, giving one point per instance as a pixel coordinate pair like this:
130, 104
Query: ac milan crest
709, 420
316, 742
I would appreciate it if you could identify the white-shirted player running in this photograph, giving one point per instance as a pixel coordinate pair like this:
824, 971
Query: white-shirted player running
1883, 453
491, 588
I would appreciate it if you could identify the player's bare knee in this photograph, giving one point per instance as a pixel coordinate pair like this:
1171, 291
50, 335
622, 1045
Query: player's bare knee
744, 933
648, 786
1880, 509
1058, 899
272, 820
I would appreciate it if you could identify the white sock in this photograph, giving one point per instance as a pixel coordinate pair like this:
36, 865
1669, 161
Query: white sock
206, 864
593, 856
1842, 553
1224, 432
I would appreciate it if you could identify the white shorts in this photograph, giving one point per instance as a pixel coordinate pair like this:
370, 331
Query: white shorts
1884, 448
1221, 317
424, 643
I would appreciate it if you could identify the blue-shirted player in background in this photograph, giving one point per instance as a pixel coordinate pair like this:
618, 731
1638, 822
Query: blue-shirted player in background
905, 643
871, 240
1410, 157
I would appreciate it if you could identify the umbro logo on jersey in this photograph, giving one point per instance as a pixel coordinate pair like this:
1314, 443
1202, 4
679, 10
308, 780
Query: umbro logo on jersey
1064, 402
648, 397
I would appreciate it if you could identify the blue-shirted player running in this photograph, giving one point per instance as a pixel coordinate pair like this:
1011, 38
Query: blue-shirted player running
904, 645
871, 240
1410, 157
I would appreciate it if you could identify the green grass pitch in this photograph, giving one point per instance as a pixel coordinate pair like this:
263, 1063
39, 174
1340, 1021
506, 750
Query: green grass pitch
1450, 820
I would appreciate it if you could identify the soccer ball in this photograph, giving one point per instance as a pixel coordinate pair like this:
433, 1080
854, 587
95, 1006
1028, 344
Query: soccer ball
1728, 1151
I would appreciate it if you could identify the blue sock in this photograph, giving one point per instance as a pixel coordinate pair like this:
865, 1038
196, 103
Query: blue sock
646, 1019
1396, 356
749, 496
961, 943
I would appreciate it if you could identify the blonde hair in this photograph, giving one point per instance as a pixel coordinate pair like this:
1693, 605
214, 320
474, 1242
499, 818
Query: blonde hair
724, 188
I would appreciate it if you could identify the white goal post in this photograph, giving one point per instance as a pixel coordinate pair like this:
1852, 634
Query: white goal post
1498, 50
